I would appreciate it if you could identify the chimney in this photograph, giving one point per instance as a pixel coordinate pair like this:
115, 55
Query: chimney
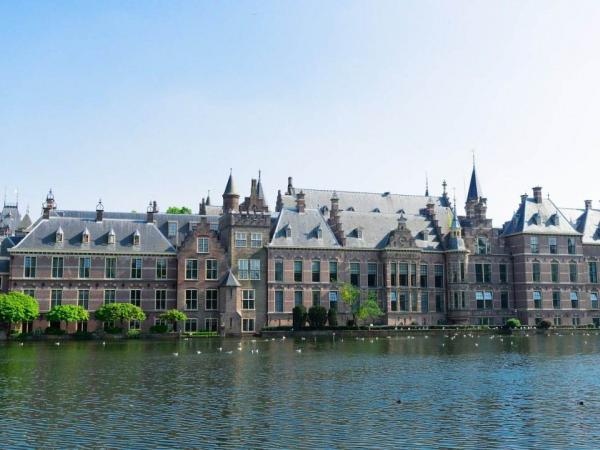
202, 209
99, 211
300, 203
279, 203
523, 198
253, 188
537, 194
290, 188
588, 204
430, 209
152, 209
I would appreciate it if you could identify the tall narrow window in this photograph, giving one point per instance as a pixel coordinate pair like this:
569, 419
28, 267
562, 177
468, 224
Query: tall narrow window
85, 263
439, 302
393, 274
243, 269
423, 282
211, 269
483, 246
554, 272
256, 240
135, 297
556, 299
57, 266
533, 245
298, 271
393, 301
109, 296
355, 274
83, 298
372, 274
574, 300
160, 299
403, 301
479, 299
202, 244
594, 300
333, 271
502, 269
191, 269
161, 268
56, 297
413, 275
279, 270
110, 267
488, 299
593, 271
255, 269
248, 299
298, 298
211, 299
316, 271
504, 299
438, 275
571, 246
537, 299
552, 246
191, 299
403, 268
535, 271
316, 297
573, 272
333, 299
279, 301
172, 229
136, 268
241, 239
30, 263
424, 302
414, 301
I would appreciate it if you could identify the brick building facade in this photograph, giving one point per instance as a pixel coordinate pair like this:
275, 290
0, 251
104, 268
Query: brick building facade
239, 267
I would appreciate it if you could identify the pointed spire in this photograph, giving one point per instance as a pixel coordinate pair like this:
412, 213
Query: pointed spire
208, 198
230, 187
474, 193
426, 185
259, 189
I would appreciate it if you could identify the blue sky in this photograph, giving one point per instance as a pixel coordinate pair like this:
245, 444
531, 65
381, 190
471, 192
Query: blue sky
132, 101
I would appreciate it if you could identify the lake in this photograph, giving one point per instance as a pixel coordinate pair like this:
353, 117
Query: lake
463, 392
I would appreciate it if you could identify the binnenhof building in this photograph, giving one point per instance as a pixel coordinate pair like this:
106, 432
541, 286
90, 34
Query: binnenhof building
239, 267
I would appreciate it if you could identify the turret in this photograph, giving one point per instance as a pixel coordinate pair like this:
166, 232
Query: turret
231, 199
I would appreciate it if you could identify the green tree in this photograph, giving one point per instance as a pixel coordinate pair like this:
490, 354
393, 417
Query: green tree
173, 316
513, 323
16, 307
177, 210
332, 317
120, 312
360, 310
67, 313
544, 324
299, 317
317, 316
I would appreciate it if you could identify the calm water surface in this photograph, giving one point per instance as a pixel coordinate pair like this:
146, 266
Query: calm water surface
469, 392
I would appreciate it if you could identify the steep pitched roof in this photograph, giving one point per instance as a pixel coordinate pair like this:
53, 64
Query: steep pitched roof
587, 222
303, 227
230, 187
474, 187
229, 280
43, 237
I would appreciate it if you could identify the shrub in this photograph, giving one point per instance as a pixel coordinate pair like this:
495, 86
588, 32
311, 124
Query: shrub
113, 330
299, 317
513, 323
544, 324
159, 328
54, 331
317, 316
332, 317
133, 334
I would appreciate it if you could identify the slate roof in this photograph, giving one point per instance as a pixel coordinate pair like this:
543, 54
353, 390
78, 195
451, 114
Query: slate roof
43, 236
10, 217
585, 221
474, 187
229, 280
8, 242
539, 218
303, 230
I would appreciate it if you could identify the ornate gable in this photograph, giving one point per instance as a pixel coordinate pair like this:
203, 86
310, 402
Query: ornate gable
401, 237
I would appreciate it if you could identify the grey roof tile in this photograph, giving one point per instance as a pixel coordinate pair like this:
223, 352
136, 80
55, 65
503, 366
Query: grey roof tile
303, 230
539, 218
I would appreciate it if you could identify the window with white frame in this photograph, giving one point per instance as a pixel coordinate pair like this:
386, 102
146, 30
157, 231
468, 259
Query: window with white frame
241, 239
85, 264
211, 299
247, 325
136, 268
333, 299
255, 269
211, 324
202, 244
248, 299
191, 269
135, 325
256, 240
190, 325
30, 265
191, 299
161, 268
57, 266
172, 229
135, 297
109, 296
278, 301
56, 297
243, 269
110, 267
83, 298
212, 269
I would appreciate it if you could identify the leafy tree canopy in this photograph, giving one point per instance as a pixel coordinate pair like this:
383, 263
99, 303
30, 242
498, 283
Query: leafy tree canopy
361, 310
67, 313
178, 210
120, 312
173, 315
18, 307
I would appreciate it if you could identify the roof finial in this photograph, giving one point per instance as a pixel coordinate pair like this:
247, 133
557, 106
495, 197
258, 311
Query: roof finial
258, 174
426, 185
473, 152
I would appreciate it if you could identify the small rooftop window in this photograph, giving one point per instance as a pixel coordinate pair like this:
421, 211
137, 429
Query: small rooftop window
359, 233
60, 236
111, 236
85, 237
350, 208
376, 210
136, 238
288, 231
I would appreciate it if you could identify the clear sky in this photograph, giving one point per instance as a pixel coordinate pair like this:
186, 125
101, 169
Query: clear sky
132, 101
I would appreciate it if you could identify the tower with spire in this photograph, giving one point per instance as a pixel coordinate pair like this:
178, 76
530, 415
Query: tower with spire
231, 199
476, 204
256, 202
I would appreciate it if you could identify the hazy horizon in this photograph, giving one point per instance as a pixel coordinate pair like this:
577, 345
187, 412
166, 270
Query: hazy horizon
157, 101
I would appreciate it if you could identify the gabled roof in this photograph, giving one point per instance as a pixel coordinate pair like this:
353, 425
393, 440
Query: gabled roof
230, 187
539, 218
475, 192
229, 280
43, 237
587, 222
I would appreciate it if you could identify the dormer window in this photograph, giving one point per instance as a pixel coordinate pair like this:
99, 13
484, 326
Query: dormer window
350, 208
376, 210
324, 210
288, 231
358, 233
554, 220
536, 219
318, 233
136, 238
172, 229
60, 236
111, 237
85, 237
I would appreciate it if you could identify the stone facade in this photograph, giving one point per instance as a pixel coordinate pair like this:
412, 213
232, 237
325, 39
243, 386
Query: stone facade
238, 268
